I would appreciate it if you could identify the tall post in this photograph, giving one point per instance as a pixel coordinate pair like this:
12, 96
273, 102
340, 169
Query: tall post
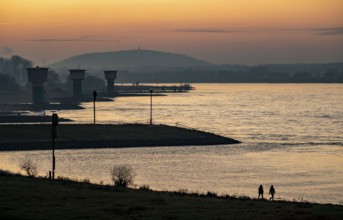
151, 106
54, 135
44, 98
94, 99
53, 154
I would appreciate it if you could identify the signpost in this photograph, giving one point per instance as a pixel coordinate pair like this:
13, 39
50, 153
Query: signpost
151, 91
44, 94
54, 135
94, 99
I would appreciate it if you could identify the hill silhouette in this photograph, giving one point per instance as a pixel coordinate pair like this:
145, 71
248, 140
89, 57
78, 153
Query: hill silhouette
130, 59
148, 66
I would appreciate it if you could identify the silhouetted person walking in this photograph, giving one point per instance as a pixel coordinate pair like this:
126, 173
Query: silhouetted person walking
260, 192
271, 192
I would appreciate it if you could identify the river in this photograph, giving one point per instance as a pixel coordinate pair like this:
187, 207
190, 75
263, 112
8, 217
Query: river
292, 137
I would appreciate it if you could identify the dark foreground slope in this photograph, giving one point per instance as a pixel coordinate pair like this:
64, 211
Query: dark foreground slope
74, 136
30, 198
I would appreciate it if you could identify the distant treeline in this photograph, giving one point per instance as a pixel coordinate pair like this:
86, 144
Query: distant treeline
297, 73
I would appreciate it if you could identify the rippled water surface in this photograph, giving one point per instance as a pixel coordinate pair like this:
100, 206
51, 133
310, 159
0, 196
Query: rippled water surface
291, 133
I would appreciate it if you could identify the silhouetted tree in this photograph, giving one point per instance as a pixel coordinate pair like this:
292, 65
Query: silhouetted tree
19, 66
5, 66
53, 79
93, 83
16, 67
7, 83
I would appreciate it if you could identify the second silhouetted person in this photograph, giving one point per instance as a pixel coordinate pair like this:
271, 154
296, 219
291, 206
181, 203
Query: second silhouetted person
272, 192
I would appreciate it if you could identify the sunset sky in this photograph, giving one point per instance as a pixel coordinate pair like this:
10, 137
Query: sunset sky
218, 31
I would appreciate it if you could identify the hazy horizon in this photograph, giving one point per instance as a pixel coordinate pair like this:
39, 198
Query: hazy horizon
219, 32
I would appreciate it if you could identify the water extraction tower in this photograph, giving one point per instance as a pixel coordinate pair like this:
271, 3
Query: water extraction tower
110, 76
37, 76
77, 75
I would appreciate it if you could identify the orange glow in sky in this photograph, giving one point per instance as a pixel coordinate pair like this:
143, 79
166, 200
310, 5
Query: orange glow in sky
219, 31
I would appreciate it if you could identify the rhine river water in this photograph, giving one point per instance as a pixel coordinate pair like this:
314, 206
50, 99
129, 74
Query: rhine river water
292, 137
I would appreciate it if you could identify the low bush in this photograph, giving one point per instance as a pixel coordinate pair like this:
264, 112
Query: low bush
29, 167
122, 175
145, 187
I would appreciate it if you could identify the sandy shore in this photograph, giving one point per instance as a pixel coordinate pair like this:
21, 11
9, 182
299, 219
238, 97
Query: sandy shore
73, 136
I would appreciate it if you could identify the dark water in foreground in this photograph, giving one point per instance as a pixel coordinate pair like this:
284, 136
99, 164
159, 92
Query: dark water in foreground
291, 133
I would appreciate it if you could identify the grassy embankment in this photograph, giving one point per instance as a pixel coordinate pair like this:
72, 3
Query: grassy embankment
31, 198
73, 136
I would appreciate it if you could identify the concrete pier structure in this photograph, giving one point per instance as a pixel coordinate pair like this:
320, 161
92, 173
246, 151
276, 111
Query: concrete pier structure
37, 76
77, 75
110, 76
